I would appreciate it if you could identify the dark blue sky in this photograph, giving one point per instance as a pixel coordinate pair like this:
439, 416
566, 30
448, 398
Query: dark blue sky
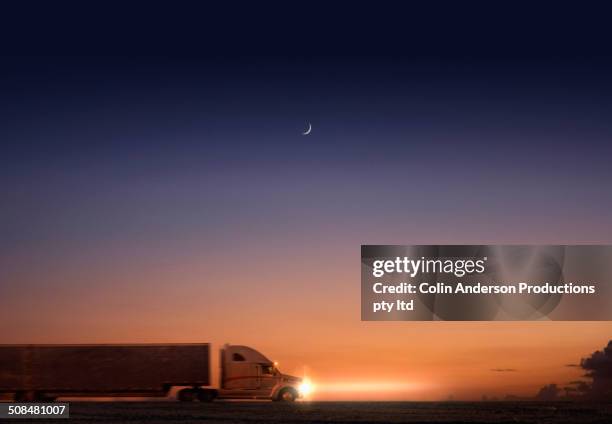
109, 151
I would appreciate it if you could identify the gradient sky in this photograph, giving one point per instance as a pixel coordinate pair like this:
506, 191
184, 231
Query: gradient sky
174, 200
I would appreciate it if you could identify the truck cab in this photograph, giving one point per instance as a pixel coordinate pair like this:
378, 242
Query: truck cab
247, 374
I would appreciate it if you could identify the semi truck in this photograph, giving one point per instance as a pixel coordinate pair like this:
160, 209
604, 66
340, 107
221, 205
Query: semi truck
46, 372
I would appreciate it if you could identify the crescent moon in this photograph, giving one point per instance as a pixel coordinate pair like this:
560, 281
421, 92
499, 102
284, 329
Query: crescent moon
308, 130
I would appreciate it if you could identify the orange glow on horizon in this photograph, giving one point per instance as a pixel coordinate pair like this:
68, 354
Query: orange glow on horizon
299, 316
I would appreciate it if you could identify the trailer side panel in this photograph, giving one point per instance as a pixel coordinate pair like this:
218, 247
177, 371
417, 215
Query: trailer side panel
103, 368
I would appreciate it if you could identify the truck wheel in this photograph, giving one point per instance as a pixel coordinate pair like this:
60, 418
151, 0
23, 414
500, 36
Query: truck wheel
206, 395
287, 395
186, 395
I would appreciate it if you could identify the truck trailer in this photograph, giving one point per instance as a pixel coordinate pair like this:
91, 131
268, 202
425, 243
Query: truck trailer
40, 372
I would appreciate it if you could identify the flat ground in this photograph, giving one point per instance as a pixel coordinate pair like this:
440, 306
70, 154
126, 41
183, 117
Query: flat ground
337, 412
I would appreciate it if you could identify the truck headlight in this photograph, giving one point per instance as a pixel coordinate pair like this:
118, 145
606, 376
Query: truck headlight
305, 388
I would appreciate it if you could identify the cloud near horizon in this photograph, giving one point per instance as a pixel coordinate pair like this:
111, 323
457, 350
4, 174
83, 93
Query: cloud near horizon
599, 368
